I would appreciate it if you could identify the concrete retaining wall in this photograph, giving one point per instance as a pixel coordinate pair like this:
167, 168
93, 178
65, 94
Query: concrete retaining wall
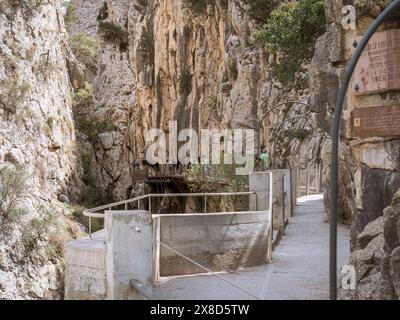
219, 242
85, 276
122, 261
278, 176
259, 182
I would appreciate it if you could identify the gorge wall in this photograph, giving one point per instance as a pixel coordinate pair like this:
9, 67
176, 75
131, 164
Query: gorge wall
200, 67
38, 162
204, 69
369, 167
164, 60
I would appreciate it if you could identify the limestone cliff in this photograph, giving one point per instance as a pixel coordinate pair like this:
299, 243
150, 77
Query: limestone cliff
37, 145
164, 60
200, 67
369, 168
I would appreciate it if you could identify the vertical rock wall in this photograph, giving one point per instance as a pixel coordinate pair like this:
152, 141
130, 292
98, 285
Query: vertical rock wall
36, 133
199, 67
369, 168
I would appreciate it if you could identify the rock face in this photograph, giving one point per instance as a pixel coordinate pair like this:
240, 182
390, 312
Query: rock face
376, 256
201, 68
37, 134
163, 60
369, 168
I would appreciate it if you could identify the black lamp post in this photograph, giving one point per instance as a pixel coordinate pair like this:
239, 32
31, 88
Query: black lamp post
335, 143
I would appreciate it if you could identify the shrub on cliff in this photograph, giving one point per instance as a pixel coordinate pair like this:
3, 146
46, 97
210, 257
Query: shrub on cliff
12, 94
13, 187
86, 123
45, 235
290, 34
83, 97
85, 49
70, 16
218, 178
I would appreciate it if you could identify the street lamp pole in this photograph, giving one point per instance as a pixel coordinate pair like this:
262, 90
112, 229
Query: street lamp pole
335, 143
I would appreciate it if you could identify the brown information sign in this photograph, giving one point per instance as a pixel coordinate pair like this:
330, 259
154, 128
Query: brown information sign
376, 122
379, 67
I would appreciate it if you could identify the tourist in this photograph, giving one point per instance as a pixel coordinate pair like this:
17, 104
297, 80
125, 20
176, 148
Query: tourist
266, 160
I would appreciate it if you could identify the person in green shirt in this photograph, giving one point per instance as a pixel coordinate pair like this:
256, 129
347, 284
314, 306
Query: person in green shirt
266, 160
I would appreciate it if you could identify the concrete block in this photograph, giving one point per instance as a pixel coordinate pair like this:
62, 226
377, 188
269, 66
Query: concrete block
85, 277
129, 253
259, 182
287, 189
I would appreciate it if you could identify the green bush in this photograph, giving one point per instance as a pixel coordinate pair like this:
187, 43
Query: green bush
90, 196
219, 178
93, 127
291, 33
45, 234
12, 94
13, 187
84, 97
45, 67
85, 49
86, 123
70, 16
11, 63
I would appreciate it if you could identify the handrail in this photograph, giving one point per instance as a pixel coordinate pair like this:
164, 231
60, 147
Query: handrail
94, 212
231, 213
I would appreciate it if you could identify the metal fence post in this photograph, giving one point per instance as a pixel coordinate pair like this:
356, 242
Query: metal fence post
150, 204
90, 228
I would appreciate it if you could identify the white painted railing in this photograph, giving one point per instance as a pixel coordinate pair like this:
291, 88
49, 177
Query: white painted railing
312, 173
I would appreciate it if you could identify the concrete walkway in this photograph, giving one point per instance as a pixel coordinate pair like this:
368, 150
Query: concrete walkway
299, 269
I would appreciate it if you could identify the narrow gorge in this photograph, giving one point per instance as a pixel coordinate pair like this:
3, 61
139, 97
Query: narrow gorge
82, 82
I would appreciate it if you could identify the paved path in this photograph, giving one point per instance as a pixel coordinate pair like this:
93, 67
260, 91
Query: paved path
299, 269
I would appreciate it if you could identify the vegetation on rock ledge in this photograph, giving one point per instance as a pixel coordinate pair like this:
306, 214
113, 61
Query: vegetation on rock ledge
85, 49
290, 34
70, 16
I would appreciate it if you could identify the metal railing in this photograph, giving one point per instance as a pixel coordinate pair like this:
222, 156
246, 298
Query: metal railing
215, 274
147, 202
312, 174
149, 295
96, 212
